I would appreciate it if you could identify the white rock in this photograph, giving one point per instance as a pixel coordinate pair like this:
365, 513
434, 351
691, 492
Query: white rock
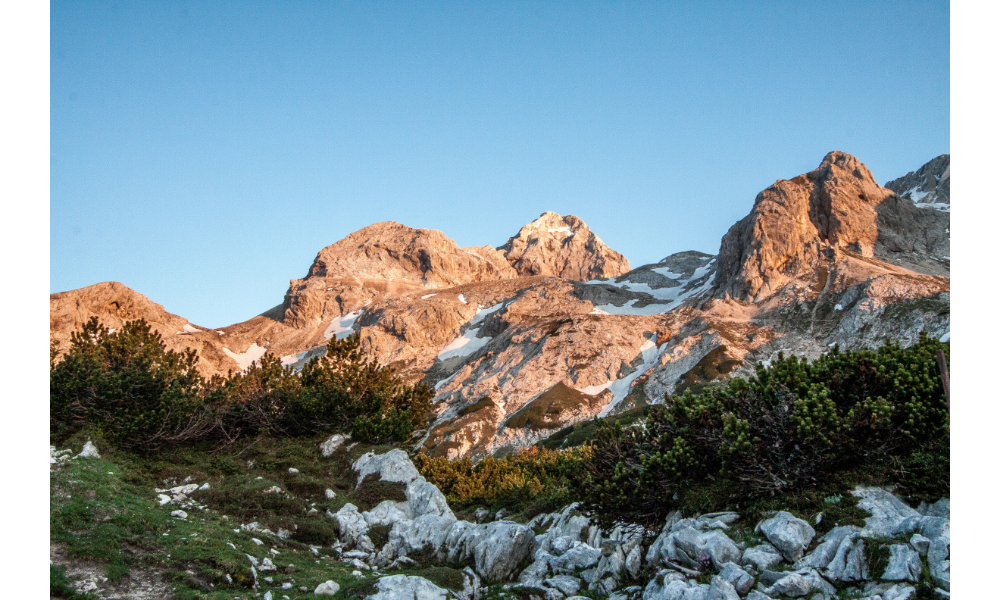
330, 494
163, 499
720, 589
506, 545
424, 498
633, 562
286, 586
350, 523
386, 512
89, 451
920, 543
904, 564
405, 587
740, 579
789, 534
824, 553
267, 565
471, 586
267, 596
256, 541
332, 443
392, 466
292, 470
180, 514
564, 583
887, 510
204, 487
792, 585
849, 562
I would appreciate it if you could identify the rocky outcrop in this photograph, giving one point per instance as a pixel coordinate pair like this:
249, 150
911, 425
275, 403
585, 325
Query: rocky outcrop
927, 187
559, 555
562, 247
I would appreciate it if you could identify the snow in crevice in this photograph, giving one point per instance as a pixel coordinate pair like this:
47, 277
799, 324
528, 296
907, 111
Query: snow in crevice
427, 296
559, 229
246, 359
342, 326
675, 296
666, 272
620, 387
461, 298
467, 343
189, 328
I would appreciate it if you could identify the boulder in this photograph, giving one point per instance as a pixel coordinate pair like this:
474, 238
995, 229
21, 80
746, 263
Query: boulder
425, 498
567, 585
789, 534
536, 573
720, 589
386, 512
90, 451
938, 560
941, 508
633, 562
427, 531
756, 595
848, 564
350, 523
887, 511
904, 564
406, 587
737, 577
471, 586
580, 556
824, 553
792, 585
920, 543
332, 443
505, 547
393, 466
328, 588
762, 556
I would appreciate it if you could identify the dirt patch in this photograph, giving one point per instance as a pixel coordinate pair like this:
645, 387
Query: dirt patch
89, 577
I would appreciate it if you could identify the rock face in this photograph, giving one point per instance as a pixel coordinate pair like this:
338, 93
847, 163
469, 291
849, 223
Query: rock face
562, 247
929, 186
553, 328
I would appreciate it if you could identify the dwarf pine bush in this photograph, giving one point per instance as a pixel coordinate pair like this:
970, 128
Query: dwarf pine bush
139, 394
790, 426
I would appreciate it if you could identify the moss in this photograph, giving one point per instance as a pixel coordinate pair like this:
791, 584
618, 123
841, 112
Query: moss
548, 409
373, 491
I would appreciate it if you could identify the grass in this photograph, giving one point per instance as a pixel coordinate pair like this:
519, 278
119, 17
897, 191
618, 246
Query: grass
104, 512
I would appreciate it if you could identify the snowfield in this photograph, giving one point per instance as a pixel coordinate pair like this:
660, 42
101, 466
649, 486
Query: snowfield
246, 359
342, 326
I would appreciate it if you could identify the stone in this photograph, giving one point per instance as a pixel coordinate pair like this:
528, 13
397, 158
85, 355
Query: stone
292, 470
756, 595
268, 596
327, 588
89, 451
482, 515
887, 511
792, 585
920, 543
633, 562
904, 564
848, 564
471, 586
163, 499
567, 585
720, 589
536, 573
180, 514
789, 534
394, 466
721, 549
425, 498
386, 512
407, 587
204, 487
762, 557
737, 577
939, 563
427, 531
941, 508
332, 443
580, 556
899, 592
350, 523
825, 551
365, 544
506, 545
330, 494
267, 565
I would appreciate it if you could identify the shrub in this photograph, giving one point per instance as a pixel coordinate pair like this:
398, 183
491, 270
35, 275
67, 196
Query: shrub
140, 394
787, 428
535, 477
129, 385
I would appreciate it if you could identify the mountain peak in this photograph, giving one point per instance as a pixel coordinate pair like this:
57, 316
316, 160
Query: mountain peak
564, 247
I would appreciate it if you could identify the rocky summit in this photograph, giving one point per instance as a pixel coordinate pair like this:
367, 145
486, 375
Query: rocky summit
554, 328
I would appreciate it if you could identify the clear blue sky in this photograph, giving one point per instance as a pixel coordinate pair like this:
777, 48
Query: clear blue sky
203, 152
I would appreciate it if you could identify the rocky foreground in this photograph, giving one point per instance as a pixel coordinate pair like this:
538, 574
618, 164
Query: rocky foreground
562, 555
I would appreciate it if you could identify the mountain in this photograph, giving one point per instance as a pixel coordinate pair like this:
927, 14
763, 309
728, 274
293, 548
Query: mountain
554, 327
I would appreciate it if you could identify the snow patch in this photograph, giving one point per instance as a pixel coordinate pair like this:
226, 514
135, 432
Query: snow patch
666, 272
467, 343
559, 229
675, 297
839, 307
248, 358
461, 298
621, 387
342, 326
427, 296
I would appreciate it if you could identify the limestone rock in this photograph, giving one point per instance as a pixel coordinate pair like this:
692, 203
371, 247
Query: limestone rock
331, 443
505, 546
904, 564
737, 577
562, 247
789, 534
762, 556
407, 587
792, 585
327, 588
90, 451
